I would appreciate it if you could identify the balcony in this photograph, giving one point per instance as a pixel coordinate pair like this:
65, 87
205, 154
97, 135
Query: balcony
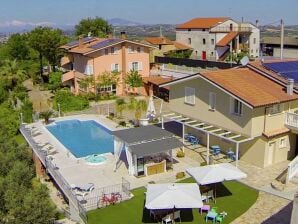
227, 29
291, 120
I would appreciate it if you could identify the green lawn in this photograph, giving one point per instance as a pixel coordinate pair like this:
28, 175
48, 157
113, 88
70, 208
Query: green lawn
233, 198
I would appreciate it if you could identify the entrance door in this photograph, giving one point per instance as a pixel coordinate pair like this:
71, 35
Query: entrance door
204, 55
271, 152
140, 166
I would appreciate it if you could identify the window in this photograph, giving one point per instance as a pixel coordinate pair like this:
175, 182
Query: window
212, 53
212, 101
88, 70
135, 66
138, 49
212, 41
112, 50
159, 46
189, 30
131, 49
115, 67
275, 109
255, 40
189, 95
203, 30
236, 107
189, 40
106, 89
282, 143
106, 51
204, 41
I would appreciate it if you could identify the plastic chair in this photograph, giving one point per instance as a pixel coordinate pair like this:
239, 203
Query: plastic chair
167, 219
219, 218
214, 209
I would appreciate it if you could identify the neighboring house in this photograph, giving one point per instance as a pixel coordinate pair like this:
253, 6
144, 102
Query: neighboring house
271, 46
164, 46
92, 56
248, 109
214, 38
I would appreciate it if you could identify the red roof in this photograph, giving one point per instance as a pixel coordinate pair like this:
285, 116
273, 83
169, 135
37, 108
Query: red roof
227, 39
158, 40
202, 23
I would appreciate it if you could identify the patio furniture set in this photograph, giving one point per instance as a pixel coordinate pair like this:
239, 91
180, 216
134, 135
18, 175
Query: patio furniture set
214, 149
212, 214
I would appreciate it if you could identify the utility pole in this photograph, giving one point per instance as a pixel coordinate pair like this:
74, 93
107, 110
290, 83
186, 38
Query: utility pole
160, 31
282, 39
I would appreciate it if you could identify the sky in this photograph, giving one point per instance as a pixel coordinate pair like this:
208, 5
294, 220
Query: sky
148, 11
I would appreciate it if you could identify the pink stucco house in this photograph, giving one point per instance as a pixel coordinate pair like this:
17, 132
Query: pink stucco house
92, 56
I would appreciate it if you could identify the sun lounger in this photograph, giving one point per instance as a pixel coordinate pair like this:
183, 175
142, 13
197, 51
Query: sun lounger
87, 187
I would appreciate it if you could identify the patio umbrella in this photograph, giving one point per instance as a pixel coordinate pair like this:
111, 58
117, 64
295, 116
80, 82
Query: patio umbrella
171, 196
216, 173
151, 109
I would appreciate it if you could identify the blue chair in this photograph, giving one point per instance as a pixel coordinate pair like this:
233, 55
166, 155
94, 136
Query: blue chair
194, 140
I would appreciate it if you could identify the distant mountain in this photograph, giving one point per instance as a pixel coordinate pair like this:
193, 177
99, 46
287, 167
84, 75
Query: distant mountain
122, 22
17, 26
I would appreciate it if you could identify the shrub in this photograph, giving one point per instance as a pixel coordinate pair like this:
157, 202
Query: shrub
27, 111
70, 102
180, 175
122, 123
55, 80
180, 154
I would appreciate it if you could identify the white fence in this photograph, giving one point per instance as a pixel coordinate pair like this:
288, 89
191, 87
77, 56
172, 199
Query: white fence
292, 169
292, 120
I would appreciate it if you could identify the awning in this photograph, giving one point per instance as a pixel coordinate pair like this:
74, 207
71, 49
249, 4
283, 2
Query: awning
170, 196
142, 134
71, 75
153, 147
227, 39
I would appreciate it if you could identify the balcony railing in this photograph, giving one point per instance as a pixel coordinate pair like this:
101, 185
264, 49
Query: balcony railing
226, 29
291, 120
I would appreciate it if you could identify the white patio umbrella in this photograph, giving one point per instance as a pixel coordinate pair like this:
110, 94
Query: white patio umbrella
151, 109
171, 196
216, 173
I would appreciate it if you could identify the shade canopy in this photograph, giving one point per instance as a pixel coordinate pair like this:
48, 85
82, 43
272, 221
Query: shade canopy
170, 196
215, 173
145, 133
153, 147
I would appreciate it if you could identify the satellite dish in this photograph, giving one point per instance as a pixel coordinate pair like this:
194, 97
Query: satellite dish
244, 61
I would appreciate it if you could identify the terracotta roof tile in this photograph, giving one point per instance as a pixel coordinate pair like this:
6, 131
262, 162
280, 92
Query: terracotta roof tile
157, 80
180, 46
202, 23
227, 39
158, 40
250, 86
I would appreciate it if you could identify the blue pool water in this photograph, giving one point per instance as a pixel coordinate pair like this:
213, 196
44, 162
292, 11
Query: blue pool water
83, 138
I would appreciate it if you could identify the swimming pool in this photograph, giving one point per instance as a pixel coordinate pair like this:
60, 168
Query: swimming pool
83, 138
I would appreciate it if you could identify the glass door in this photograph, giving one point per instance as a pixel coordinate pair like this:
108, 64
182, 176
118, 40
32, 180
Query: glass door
140, 166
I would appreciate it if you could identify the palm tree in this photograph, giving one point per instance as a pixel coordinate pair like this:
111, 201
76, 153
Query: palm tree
138, 106
14, 76
120, 106
46, 115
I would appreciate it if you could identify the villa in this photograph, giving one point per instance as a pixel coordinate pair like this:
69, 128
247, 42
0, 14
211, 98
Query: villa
215, 38
248, 110
91, 57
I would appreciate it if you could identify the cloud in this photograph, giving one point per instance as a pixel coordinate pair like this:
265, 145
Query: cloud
19, 23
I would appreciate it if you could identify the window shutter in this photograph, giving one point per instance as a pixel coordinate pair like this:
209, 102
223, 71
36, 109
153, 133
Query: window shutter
112, 67
142, 49
130, 66
212, 100
140, 66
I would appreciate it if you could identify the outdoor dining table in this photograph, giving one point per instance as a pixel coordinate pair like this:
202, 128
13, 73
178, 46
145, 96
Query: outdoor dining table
158, 214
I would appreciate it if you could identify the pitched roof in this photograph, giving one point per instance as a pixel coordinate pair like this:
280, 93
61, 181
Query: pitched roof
158, 40
202, 23
94, 44
227, 39
157, 80
180, 46
250, 86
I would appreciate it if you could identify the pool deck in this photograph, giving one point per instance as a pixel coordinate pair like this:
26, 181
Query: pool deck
76, 171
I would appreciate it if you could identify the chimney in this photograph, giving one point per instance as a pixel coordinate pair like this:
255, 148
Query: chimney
123, 35
257, 23
290, 87
81, 41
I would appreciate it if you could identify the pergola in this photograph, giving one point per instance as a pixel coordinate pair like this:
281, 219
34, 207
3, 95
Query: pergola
208, 129
143, 141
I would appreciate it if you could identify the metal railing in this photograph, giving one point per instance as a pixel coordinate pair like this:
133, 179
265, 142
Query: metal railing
226, 29
93, 197
291, 120
292, 169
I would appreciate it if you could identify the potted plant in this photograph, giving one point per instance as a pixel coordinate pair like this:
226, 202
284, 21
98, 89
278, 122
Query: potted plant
46, 115
139, 107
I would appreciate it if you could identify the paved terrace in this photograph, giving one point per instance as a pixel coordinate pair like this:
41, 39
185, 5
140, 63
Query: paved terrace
77, 171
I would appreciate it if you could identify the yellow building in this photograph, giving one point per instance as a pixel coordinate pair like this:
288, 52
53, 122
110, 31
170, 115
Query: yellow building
248, 110
163, 46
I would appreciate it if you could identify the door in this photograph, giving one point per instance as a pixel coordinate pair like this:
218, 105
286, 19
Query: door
204, 55
271, 153
140, 166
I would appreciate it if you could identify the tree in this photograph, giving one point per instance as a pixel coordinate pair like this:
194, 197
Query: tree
97, 26
107, 79
46, 115
55, 80
138, 106
18, 47
120, 106
11, 73
134, 79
